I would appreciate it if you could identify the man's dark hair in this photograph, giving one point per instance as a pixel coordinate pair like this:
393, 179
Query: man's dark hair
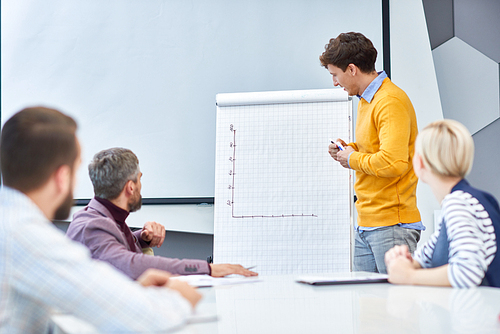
35, 142
350, 48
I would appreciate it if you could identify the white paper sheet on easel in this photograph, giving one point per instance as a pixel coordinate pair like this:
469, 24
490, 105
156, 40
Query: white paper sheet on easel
281, 202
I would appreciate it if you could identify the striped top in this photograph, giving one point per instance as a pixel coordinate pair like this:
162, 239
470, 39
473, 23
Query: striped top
471, 239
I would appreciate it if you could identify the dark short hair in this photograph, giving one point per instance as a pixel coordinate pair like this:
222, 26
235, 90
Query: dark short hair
111, 169
35, 142
350, 48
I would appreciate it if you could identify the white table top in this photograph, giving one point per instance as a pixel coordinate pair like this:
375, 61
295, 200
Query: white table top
280, 305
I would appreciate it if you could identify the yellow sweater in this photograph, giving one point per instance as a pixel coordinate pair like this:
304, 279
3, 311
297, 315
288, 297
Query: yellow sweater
386, 184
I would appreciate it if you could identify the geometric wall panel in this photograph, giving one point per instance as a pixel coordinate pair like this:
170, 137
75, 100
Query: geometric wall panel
485, 173
478, 24
439, 18
469, 84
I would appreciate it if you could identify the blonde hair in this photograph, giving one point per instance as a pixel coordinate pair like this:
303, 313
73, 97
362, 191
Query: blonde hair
446, 148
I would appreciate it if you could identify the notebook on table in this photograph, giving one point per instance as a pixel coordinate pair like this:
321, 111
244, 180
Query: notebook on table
356, 277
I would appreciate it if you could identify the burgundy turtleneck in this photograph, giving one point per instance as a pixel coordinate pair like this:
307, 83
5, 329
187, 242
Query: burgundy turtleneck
119, 215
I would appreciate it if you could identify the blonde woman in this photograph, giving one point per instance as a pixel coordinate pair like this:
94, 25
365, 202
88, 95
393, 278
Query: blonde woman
462, 252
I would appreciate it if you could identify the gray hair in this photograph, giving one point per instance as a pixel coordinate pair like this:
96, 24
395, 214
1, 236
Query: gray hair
111, 169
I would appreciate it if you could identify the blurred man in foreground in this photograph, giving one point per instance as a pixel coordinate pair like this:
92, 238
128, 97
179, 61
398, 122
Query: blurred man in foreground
40, 269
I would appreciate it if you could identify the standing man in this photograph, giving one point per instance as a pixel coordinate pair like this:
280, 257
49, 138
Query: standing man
386, 129
101, 226
42, 271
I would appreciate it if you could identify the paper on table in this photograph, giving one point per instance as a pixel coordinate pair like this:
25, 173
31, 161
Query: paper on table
199, 317
206, 280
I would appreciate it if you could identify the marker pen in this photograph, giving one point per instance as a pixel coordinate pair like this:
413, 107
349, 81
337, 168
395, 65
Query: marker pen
339, 145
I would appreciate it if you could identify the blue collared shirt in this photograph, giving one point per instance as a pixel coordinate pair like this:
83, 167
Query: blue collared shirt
373, 87
415, 226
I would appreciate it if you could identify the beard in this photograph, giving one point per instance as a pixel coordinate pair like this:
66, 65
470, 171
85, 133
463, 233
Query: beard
64, 209
136, 204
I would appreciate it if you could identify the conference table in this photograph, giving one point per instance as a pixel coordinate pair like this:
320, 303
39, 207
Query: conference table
278, 304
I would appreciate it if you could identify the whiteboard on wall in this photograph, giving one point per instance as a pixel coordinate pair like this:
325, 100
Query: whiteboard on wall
144, 74
281, 202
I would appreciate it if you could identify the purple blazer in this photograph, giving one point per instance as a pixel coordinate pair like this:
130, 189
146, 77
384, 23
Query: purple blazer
95, 227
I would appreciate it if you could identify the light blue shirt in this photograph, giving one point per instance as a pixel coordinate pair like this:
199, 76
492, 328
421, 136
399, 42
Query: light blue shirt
373, 87
41, 271
415, 226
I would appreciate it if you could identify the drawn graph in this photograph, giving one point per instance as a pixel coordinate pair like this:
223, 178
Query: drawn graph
233, 173
281, 202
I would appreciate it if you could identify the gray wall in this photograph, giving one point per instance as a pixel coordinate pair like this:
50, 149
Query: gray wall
486, 170
179, 245
186, 245
413, 70
465, 43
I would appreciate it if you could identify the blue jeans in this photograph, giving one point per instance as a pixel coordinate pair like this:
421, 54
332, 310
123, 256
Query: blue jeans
370, 246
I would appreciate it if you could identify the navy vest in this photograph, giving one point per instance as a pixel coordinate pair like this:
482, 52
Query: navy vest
440, 254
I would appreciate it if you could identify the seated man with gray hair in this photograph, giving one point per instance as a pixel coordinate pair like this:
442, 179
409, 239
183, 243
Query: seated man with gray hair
116, 177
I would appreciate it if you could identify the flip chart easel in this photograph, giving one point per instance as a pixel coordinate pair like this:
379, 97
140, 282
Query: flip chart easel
281, 202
